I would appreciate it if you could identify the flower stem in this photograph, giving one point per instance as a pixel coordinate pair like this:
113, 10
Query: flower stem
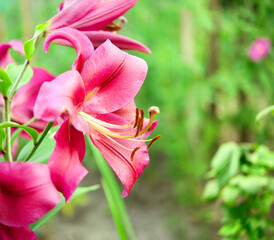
43, 135
8, 155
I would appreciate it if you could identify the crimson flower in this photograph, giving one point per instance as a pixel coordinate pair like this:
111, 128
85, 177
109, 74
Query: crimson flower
26, 194
98, 100
95, 19
259, 49
23, 101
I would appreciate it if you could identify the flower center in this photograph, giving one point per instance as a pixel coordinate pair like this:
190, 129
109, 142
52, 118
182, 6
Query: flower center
133, 130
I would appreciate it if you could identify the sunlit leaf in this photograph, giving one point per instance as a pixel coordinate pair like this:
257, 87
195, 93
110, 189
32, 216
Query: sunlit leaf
30, 46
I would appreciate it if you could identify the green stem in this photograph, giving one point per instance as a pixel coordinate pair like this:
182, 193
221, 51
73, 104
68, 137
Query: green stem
44, 133
8, 155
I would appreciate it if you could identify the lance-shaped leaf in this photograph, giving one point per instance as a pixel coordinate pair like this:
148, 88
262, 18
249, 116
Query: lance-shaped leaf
78, 192
2, 138
264, 112
31, 45
32, 132
5, 82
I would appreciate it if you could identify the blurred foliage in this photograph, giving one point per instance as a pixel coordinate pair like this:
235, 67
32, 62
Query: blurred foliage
242, 180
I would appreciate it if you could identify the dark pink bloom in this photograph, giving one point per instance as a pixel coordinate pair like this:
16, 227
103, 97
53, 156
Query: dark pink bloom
98, 101
5, 57
259, 49
24, 99
23, 102
95, 19
16, 233
27, 194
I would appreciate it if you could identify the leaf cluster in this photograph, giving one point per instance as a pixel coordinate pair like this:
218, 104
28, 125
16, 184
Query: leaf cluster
241, 177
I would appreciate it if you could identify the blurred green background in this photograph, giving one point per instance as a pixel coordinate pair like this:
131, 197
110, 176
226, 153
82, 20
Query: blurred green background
206, 87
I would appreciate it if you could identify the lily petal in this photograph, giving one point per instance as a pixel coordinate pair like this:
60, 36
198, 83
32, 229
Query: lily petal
72, 11
5, 57
27, 193
23, 102
65, 161
103, 14
16, 233
124, 43
112, 78
78, 40
59, 96
118, 157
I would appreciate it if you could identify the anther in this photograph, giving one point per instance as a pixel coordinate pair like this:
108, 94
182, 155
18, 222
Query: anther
152, 141
133, 153
142, 119
136, 117
122, 20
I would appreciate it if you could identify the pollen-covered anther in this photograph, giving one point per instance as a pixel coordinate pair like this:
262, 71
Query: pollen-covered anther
133, 153
152, 141
153, 111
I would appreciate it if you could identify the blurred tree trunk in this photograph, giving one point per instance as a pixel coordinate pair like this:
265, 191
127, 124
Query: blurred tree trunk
27, 28
187, 40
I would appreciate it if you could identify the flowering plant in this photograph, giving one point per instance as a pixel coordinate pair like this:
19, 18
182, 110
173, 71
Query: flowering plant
91, 102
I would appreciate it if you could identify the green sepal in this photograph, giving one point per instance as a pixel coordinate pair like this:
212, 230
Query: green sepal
32, 132
5, 82
30, 45
78, 192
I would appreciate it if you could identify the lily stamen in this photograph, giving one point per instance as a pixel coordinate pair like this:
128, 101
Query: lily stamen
152, 141
133, 153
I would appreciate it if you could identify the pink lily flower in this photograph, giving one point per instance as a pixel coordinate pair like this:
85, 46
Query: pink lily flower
98, 101
5, 57
95, 19
259, 49
24, 99
27, 194
16, 233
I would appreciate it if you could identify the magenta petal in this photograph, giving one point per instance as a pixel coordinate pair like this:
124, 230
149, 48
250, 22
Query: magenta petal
124, 43
72, 11
17, 46
65, 161
16, 233
103, 14
23, 102
78, 40
62, 95
5, 57
112, 79
27, 193
118, 157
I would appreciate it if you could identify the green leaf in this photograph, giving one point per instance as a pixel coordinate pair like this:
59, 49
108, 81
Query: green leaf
250, 184
32, 132
43, 152
14, 70
78, 192
264, 112
5, 82
31, 45
2, 138
211, 191
230, 229
225, 163
113, 195
230, 195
